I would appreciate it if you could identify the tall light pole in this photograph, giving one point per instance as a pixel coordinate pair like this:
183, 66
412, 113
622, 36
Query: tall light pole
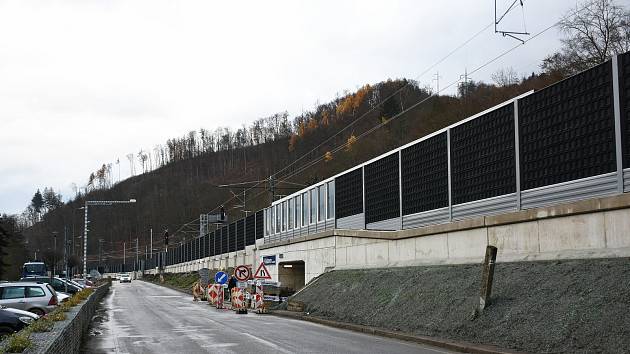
85, 231
54, 233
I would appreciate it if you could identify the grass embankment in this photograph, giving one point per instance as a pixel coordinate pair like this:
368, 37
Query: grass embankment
570, 306
20, 341
180, 281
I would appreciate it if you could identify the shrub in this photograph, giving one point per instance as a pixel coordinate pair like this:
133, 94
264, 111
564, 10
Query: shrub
18, 342
57, 315
43, 324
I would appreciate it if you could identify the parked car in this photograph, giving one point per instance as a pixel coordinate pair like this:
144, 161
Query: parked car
57, 283
11, 322
62, 297
119, 275
38, 298
125, 278
20, 312
34, 269
83, 282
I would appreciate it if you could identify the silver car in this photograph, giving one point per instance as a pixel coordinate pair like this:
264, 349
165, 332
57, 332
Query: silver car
38, 298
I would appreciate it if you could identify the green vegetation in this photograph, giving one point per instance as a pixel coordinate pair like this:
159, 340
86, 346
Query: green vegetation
183, 281
18, 342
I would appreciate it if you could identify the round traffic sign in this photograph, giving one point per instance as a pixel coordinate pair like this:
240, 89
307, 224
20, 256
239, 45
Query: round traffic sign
221, 278
242, 273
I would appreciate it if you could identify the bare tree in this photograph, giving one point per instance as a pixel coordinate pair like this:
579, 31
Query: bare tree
594, 31
130, 157
505, 77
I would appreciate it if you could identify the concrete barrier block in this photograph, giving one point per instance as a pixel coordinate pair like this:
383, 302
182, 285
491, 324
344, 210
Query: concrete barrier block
467, 244
585, 231
377, 253
432, 247
617, 223
515, 238
342, 241
356, 255
402, 250
340, 256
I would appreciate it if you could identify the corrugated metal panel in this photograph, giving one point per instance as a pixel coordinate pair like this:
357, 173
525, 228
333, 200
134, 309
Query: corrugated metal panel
330, 224
435, 216
496, 205
390, 224
354, 222
626, 180
585, 188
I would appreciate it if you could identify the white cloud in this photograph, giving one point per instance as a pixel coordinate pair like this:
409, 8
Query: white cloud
83, 83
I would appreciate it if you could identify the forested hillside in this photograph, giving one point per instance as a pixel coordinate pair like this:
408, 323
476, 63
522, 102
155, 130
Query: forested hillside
335, 136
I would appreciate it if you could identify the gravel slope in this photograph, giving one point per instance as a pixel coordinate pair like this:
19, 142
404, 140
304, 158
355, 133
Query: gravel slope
574, 306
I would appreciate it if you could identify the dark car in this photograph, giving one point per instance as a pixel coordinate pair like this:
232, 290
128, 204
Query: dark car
57, 284
11, 322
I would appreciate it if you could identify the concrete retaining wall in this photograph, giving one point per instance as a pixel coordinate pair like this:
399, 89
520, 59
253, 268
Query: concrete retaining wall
66, 336
592, 228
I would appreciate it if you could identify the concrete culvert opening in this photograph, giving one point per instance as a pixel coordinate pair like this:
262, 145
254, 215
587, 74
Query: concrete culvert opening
291, 275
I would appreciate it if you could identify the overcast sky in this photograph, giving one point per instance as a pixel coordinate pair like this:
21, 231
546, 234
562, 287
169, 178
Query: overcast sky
84, 83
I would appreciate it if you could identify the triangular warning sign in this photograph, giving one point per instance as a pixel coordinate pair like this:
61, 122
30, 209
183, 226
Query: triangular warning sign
262, 272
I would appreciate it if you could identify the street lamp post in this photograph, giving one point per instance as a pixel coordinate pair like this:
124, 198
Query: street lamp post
85, 230
54, 254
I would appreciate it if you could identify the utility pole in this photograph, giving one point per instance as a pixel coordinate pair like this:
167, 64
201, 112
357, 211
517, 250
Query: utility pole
135, 267
437, 79
100, 249
54, 254
65, 260
151, 245
124, 255
272, 189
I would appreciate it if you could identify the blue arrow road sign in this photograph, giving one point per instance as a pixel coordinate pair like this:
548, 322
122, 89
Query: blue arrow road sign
221, 277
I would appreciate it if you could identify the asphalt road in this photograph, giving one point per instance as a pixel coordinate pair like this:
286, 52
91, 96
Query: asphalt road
142, 317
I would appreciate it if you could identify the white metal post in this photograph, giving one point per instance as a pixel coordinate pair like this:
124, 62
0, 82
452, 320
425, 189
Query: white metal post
617, 117
85, 238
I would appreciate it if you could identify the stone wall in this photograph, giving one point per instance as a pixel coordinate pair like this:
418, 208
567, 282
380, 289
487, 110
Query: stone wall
66, 336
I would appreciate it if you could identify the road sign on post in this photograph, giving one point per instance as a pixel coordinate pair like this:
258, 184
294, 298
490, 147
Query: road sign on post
221, 278
262, 272
242, 273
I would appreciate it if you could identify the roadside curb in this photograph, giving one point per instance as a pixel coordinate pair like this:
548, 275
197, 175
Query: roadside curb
464, 347
186, 291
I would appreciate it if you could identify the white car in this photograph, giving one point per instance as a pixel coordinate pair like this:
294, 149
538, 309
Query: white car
125, 278
20, 312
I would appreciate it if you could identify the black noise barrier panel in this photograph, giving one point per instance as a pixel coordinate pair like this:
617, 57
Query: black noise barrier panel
483, 159
624, 91
212, 245
382, 199
250, 230
425, 175
567, 131
224, 239
260, 224
349, 194
232, 237
240, 235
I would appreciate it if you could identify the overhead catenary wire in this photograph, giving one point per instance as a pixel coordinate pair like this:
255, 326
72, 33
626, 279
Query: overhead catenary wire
441, 60
342, 146
480, 67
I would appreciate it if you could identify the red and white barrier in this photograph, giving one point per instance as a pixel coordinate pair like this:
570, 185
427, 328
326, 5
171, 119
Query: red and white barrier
219, 303
213, 293
258, 302
238, 300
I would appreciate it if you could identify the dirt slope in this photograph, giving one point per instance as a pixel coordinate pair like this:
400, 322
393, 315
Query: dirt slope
562, 306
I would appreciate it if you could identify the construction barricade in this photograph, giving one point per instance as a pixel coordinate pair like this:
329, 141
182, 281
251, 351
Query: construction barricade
219, 303
258, 301
238, 300
213, 293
